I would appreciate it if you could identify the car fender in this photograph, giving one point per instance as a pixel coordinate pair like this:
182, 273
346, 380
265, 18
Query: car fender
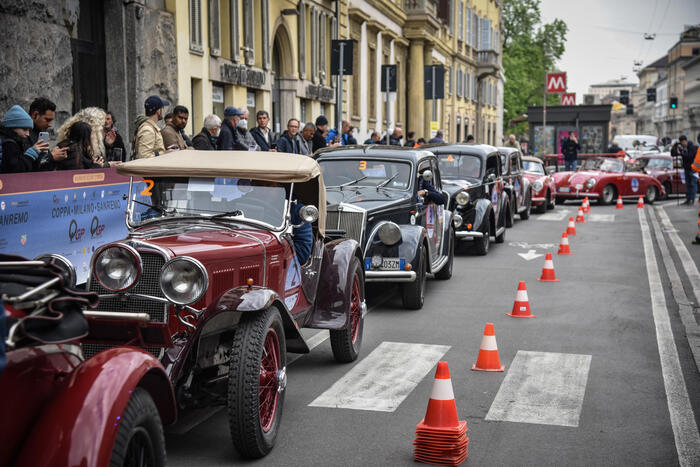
482, 208
80, 425
254, 299
447, 225
332, 304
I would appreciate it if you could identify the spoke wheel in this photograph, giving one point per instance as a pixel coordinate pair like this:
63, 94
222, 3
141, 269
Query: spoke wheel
346, 342
140, 441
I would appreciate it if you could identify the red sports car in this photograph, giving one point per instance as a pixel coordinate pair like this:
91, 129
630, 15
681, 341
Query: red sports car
542, 184
660, 166
608, 181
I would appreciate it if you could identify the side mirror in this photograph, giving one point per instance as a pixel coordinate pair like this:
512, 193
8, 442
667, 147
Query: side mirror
427, 175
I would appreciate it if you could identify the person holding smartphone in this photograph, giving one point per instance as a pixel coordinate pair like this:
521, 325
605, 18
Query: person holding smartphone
42, 111
14, 132
114, 144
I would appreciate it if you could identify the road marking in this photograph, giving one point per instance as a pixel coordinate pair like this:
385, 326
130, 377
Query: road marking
530, 255
542, 387
601, 218
558, 215
685, 430
384, 378
686, 260
527, 246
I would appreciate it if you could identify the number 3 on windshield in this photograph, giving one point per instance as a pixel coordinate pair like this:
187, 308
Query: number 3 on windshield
147, 191
363, 165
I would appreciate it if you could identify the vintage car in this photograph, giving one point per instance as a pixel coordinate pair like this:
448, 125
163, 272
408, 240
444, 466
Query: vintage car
210, 277
661, 167
517, 186
607, 181
53, 397
471, 174
541, 183
373, 198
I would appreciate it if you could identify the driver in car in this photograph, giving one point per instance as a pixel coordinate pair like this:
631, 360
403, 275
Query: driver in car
427, 190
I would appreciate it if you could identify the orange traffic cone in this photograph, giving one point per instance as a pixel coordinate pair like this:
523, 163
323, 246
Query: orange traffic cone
640, 203
619, 203
571, 229
488, 352
586, 205
564, 245
441, 438
579, 216
548, 270
521, 306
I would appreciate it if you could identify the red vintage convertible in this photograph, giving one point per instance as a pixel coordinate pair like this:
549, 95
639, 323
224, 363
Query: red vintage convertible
660, 166
609, 179
541, 183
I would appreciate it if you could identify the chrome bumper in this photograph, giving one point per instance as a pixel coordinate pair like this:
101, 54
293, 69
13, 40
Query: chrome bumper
539, 200
578, 195
468, 235
390, 276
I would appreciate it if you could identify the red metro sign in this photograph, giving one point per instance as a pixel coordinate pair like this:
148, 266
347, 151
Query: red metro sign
556, 83
568, 99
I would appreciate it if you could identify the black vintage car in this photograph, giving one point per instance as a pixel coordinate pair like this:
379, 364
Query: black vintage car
372, 196
471, 173
516, 185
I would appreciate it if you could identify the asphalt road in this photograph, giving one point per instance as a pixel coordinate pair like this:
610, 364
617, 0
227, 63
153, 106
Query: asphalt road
605, 375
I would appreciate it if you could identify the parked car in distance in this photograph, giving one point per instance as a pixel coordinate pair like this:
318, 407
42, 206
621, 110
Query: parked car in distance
661, 167
374, 197
516, 185
608, 181
225, 261
542, 184
471, 174
53, 397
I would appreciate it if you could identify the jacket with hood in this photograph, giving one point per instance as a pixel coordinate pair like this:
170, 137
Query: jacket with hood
14, 160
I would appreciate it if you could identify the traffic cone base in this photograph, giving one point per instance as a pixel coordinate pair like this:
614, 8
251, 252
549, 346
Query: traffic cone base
571, 229
564, 248
521, 306
548, 270
619, 205
488, 352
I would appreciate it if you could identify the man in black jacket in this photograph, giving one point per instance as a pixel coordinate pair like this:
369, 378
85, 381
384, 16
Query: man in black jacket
228, 138
319, 141
205, 140
686, 150
288, 141
570, 149
262, 134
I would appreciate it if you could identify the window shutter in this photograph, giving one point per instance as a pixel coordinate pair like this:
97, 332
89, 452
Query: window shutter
214, 29
451, 86
468, 27
475, 26
195, 7
235, 42
460, 20
466, 85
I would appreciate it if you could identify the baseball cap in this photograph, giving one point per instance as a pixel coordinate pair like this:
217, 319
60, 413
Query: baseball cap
154, 103
232, 112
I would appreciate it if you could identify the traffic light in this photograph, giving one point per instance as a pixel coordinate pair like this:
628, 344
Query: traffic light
651, 94
624, 97
673, 102
630, 110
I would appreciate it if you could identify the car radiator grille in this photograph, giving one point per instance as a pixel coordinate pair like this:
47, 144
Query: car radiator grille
351, 222
90, 350
148, 285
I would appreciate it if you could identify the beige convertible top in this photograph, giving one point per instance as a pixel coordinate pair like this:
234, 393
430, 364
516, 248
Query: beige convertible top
269, 166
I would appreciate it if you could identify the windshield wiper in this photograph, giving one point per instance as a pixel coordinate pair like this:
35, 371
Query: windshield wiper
352, 182
237, 212
157, 208
388, 180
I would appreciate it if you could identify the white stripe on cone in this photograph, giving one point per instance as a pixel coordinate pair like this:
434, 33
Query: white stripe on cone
521, 296
564, 240
442, 390
549, 264
571, 224
488, 343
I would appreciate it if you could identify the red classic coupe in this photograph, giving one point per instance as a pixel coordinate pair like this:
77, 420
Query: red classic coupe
541, 183
660, 166
607, 181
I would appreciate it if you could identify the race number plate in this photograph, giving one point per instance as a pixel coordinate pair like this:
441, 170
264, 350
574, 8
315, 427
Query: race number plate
564, 189
391, 264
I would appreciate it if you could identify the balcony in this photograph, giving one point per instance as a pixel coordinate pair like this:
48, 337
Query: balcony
487, 62
420, 7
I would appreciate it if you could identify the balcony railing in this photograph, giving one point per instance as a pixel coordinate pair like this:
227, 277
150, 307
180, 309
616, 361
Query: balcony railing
413, 7
487, 58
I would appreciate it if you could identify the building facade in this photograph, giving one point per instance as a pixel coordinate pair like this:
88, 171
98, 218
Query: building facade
692, 97
643, 109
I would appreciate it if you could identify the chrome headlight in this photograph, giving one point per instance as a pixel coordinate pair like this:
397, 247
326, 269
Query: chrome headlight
462, 198
457, 220
537, 186
590, 183
183, 280
389, 233
117, 267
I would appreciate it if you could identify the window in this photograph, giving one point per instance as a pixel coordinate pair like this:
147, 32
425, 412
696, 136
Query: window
466, 85
475, 87
249, 32
302, 40
460, 21
217, 98
485, 40
302, 113
371, 81
450, 88
214, 28
196, 26
496, 43
322, 48
475, 30
459, 82
235, 43
468, 26
314, 44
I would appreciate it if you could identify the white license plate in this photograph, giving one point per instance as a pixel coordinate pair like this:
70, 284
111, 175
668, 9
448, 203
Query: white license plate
564, 189
391, 264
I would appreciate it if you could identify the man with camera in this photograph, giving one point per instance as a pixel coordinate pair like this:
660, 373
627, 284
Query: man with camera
686, 150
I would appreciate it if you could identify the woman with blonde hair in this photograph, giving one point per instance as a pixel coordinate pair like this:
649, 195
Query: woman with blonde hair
95, 118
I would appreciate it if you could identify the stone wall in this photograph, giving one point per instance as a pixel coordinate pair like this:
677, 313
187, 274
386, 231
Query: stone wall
36, 53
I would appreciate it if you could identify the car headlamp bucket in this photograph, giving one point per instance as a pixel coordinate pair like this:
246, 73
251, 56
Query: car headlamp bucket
457, 220
590, 183
309, 213
183, 280
462, 198
117, 267
537, 186
62, 263
389, 233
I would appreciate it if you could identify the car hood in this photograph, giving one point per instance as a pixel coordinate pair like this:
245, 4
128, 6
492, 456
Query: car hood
368, 198
577, 178
196, 239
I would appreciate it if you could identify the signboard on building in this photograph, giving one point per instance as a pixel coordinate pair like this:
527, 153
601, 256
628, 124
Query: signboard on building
556, 83
568, 98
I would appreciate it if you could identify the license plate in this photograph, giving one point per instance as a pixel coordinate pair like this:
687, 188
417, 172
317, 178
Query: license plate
564, 189
391, 264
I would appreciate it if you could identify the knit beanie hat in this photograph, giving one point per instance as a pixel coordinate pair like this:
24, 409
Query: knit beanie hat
16, 117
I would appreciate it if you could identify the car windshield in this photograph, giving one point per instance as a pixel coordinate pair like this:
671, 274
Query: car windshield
366, 172
591, 164
220, 197
459, 166
611, 165
533, 167
658, 163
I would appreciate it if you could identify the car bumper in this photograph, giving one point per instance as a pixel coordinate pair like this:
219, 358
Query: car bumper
578, 195
538, 199
468, 235
390, 276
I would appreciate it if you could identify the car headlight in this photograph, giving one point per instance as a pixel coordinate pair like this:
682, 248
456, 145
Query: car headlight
117, 267
462, 198
457, 220
590, 183
389, 233
537, 186
183, 280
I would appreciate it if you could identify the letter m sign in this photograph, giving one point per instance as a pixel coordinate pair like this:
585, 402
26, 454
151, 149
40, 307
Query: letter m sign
568, 99
556, 83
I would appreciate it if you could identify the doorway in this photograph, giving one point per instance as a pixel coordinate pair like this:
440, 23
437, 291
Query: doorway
89, 60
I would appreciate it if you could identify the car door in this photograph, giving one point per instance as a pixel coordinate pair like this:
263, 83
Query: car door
439, 211
428, 213
494, 186
516, 180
